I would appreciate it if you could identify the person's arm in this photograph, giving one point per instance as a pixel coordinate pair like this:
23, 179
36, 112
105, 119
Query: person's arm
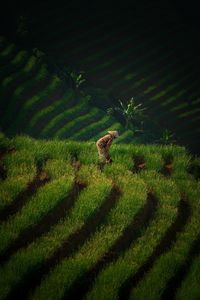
109, 143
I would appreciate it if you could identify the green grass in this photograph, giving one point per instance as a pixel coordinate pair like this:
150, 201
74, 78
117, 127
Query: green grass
68, 129
107, 284
45, 200
87, 203
167, 264
94, 248
15, 63
190, 287
56, 158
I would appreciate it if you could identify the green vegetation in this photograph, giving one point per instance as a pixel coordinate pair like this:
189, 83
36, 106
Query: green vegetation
133, 114
68, 162
38, 105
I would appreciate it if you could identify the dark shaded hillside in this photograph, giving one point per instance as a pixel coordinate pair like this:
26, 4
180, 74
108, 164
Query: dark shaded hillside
148, 50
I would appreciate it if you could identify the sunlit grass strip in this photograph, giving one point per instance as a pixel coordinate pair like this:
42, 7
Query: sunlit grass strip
190, 286
189, 113
73, 126
117, 220
8, 50
64, 116
5, 143
29, 67
125, 68
86, 205
109, 281
181, 165
32, 102
168, 76
21, 169
92, 129
170, 87
26, 87
45, 199
44, 149
19, 96
154, 283
16, 62
23, 88
135, 64
64, 102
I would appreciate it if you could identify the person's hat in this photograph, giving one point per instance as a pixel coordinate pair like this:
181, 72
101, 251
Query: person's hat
115, 133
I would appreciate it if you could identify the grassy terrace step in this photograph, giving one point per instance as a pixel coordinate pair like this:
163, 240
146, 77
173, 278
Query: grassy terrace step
43, 116
94, 196
190, 286
133, 258
144, 81
109, 62
36, 102
21, 94
89, 131
100, 243
97, 243
90, 54
48, 111
43, 201
13, 81
75, 125
17, 62
171, 261
19, 76
7, 53
134, 53
20, 169
61, 118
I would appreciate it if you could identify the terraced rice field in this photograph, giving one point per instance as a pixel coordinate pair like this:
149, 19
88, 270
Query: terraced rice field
72, 228
147, 53
35, 102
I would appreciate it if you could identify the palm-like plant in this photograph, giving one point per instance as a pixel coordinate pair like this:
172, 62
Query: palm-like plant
133, 114
167, 137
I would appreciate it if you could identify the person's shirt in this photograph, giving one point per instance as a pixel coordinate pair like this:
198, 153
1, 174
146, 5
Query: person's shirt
105, 140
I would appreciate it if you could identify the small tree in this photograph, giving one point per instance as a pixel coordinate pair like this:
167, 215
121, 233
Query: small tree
77, 78
133, 114
167, 137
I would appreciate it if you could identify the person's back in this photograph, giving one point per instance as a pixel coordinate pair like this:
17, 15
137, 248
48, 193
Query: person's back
103, 145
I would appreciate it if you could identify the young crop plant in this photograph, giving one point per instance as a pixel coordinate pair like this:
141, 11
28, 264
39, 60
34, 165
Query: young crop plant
133, 114
167, 137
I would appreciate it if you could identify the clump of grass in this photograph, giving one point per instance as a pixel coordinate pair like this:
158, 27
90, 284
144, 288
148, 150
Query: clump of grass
99, 243
43, 201
167, 265
87, 204
106, 285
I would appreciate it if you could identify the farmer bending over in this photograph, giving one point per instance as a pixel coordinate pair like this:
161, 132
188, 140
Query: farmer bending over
103, 145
